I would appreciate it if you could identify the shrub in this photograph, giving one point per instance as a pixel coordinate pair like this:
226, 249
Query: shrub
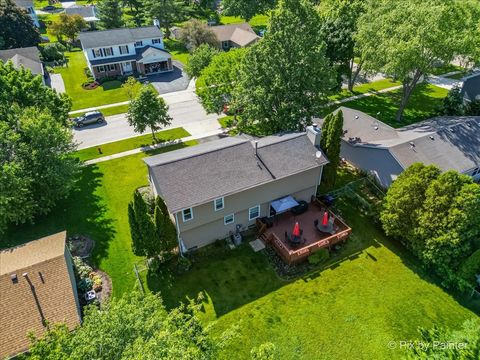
184, 264
153, 264
85, 285
87, 72
52, 52
319, 257
82, 270
470, 268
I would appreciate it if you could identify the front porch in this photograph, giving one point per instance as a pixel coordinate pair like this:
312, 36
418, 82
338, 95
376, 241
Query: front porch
311, 239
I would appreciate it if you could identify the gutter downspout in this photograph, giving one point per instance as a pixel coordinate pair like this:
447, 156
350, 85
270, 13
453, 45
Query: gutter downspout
319, 179
178, 234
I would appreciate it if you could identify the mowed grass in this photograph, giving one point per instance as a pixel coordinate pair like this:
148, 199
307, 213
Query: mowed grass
258, 22
98, 208
425, 102
131, 143
370, 294
373, 86
177, 49
74, 76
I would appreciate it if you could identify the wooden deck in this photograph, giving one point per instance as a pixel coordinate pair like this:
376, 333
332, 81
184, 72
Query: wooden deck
312, 239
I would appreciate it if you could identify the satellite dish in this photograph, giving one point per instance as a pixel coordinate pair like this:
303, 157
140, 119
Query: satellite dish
318, 154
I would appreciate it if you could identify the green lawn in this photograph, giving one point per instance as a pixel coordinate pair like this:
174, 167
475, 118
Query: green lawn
131, 143
446, 69
424, 103
177, 49
371, 293
47, 20
365, 88
114, 110
98, 208
74, 75
258, 22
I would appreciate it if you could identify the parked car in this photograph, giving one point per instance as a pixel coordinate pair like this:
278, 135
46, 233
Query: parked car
49, 8
92, 117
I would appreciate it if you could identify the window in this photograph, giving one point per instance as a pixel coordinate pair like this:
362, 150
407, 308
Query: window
108, 51
218, 204
101, 68
156, 41
229, 219
226, 44
254, 212
97, 53
111, 67
187, 214
123, 49
138, 43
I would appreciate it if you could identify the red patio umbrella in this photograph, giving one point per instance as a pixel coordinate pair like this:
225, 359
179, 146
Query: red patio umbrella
325, 219
296, 230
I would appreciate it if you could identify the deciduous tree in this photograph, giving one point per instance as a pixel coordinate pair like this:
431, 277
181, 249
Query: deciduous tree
132, 87
166, 12
286, 75
16, 27
195, 33
68, 26
110, 14
220, 78
406, 39
148, 110
199, 60
247, 9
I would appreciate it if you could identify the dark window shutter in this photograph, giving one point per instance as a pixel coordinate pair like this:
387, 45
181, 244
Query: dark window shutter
93, 53
127, 49
111, 51
120, 49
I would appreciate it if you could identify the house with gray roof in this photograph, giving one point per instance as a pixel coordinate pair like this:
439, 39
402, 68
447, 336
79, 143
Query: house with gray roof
119, 52
88, 13
27, 58
470, 88
214, 188
29, 8
234, 35
450, 142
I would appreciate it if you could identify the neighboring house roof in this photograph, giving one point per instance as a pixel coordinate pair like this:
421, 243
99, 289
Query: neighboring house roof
45, 288
87, 12
471, 87
94, 39
28, 57
451, 143
198, 174
24, 3
241, 34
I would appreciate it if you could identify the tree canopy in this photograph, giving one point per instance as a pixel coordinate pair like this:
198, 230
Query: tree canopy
286, 76
195, 33
435, 215
220, 78
68, 26
330, 143
133, 327
16, 27
148, 110
199, 60
406, 39
110, 14
247, 9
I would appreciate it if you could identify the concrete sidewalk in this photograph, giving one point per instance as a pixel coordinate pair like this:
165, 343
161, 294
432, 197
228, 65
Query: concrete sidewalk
154, 147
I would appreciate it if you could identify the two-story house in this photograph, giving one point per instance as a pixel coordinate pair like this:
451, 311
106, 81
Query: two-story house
28, 6
212, 188
125, 51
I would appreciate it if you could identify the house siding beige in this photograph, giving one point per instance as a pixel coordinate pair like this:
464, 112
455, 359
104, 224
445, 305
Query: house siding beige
208, 225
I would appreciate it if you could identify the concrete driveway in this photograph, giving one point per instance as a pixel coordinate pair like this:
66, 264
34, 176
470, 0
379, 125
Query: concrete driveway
175, 80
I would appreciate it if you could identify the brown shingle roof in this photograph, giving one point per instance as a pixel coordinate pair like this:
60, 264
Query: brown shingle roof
45, 290
242, 34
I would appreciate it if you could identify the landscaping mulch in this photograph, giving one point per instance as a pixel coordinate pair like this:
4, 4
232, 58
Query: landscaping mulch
106, 291
80, 245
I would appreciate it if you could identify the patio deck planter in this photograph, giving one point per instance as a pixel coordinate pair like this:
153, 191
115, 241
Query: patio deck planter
313, 239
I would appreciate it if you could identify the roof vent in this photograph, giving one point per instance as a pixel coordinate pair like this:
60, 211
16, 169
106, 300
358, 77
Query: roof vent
14, 278
375, 127
469, 124
356, 117
412, 144
452, 129
431, 137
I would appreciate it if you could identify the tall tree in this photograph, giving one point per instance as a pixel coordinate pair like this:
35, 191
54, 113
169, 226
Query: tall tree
132, 87
332, 132
199, 60
166, 232
68, 26
110, 14
247, 9
195, 33
286, 76
220, 78
37, 167
339, 26
16, 27
133, 327
406, 39
148, 110
166, 12
22, 88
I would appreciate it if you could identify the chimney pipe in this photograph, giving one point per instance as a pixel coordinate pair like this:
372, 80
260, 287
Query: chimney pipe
256, 147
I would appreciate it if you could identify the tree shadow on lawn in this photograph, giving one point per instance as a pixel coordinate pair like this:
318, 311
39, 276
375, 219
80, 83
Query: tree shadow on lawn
111, 85
83, 212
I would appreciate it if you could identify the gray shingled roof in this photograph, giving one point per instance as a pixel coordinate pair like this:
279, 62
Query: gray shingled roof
198, 174
24, 3
471, 87
94, 39
28, 57
87, 12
